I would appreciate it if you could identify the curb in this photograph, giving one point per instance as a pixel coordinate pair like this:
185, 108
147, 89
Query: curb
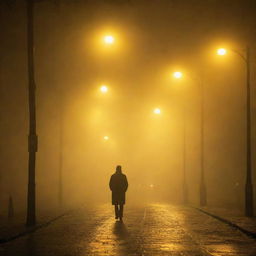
231, 224
32, 229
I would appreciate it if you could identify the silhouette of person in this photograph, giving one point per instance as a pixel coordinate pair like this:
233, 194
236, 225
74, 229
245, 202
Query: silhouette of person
118, 184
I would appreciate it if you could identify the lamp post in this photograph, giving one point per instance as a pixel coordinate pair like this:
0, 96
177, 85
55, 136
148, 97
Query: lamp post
179, 75
248, 184
185, 187
60, 174
32, 137
202, 185
203, 191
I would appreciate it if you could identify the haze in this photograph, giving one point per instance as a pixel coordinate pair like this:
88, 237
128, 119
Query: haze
152, 40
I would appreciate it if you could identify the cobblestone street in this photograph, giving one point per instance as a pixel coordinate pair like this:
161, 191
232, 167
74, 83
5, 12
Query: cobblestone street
155, 229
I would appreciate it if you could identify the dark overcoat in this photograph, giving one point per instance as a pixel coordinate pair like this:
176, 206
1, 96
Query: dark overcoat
118, 184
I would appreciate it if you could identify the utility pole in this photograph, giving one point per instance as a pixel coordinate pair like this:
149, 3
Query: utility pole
248, 185
32, 137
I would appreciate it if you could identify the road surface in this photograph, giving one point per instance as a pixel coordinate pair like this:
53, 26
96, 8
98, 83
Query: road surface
154, 229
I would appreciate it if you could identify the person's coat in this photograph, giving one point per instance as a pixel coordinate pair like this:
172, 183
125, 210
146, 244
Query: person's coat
118, 184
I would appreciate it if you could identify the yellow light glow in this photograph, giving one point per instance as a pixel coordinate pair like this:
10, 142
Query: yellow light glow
106, 138
109, 39
177, 74
104, 89
221, 51
157, 111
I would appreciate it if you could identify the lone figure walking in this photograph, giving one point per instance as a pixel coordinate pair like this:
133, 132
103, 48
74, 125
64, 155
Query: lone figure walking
118, 184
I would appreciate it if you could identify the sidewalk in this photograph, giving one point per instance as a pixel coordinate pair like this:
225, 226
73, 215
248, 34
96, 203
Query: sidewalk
234, 218
16, 226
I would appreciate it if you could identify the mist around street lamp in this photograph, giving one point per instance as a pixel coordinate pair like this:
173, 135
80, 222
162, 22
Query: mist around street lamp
106, 137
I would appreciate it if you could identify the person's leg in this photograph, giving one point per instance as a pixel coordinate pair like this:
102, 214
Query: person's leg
116, 211
121, 211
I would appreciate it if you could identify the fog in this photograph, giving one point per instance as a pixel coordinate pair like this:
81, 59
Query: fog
153, 39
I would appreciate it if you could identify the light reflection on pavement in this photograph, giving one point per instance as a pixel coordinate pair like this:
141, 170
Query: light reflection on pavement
155, 229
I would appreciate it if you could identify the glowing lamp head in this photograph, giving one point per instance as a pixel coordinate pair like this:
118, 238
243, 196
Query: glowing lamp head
104, 89
157, 111
221, 51
109, 39
177, 75
106, 138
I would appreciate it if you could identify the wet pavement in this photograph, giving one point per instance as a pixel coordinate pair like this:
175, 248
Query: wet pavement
155, 229
234, 216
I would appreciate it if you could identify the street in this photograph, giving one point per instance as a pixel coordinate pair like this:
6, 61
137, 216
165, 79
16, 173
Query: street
153, 229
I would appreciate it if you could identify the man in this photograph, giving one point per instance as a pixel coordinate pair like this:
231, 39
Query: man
118, 185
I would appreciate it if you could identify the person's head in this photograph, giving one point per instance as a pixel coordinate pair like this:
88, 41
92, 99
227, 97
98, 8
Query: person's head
119, 169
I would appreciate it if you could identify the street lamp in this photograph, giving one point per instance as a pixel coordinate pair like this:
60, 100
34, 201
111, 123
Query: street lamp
108, 39
245, 55
177, 74
221, 51
106, 138
157, 111
104, 89
202, 189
